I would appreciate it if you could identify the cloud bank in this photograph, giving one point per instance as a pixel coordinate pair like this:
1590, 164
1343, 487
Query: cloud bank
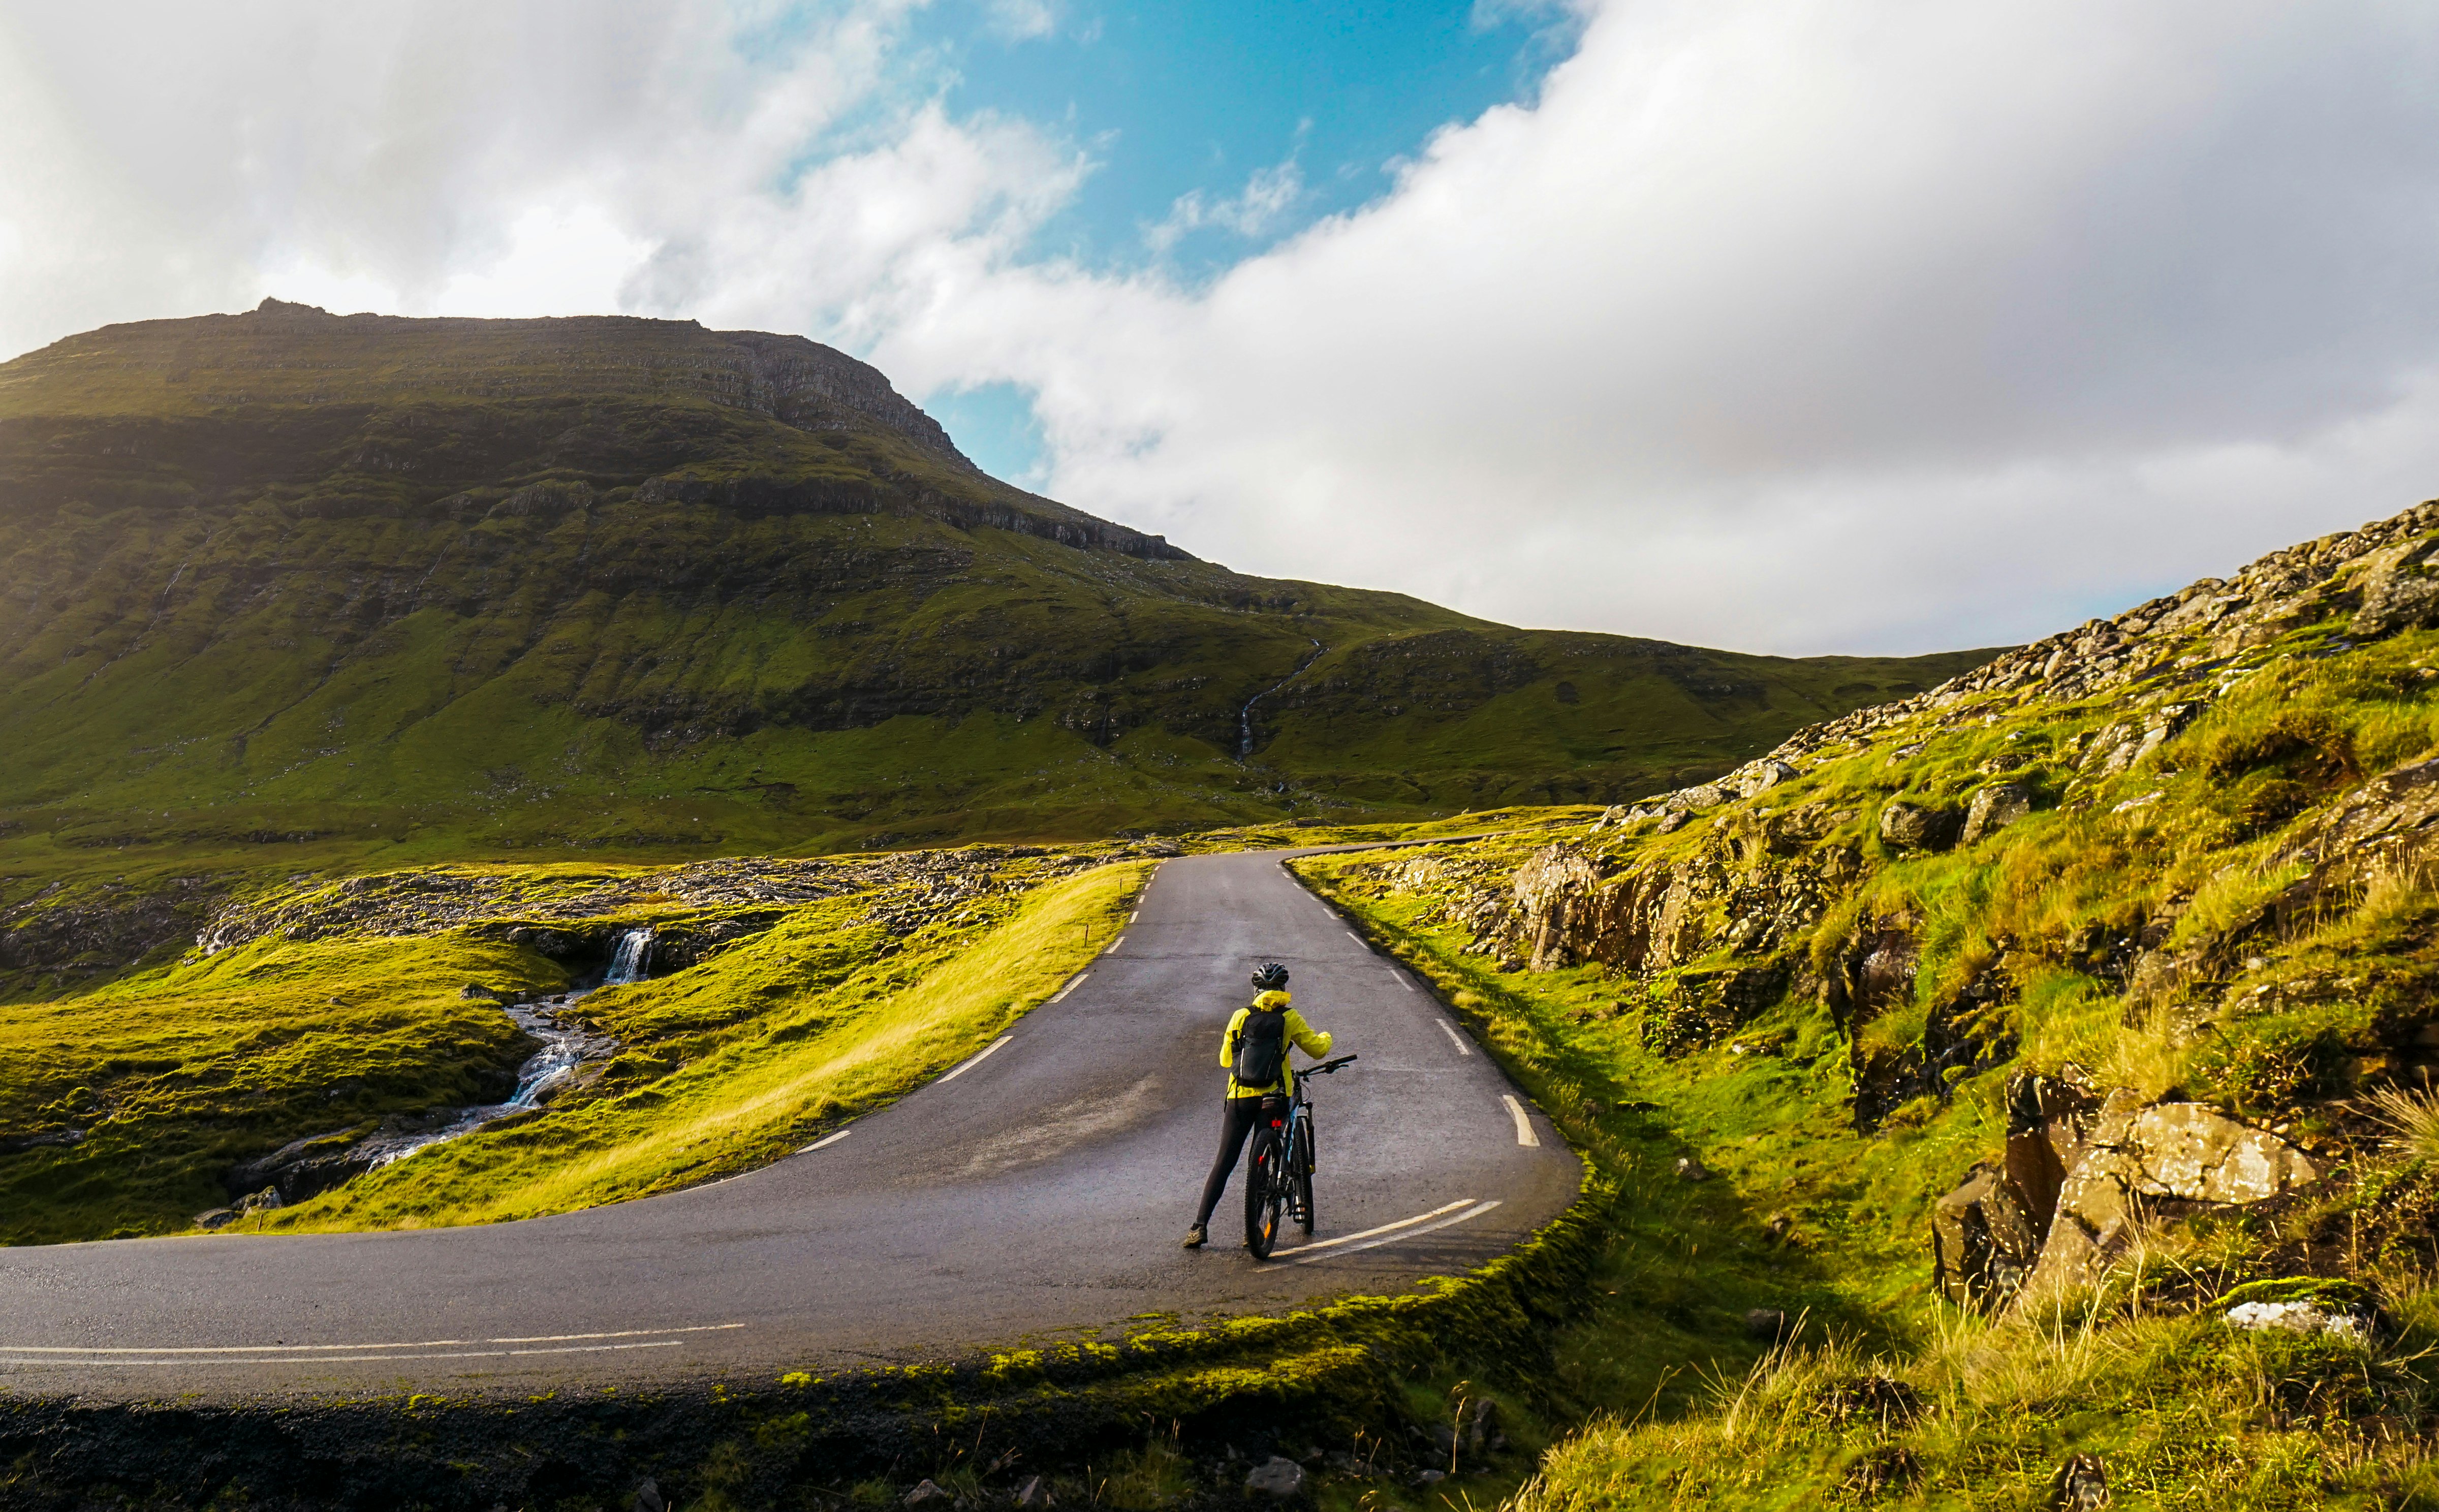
1784, 326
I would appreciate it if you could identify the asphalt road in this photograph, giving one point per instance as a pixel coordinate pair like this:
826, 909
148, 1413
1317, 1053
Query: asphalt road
1034, 1193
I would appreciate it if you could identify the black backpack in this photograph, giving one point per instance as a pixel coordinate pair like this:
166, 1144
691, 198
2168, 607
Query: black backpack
1261, 1048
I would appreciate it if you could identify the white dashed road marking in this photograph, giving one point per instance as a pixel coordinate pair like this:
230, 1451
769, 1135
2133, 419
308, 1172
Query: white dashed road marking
1113, 945
1073, 983
1525, 1134
826, 1140
1457, 1039
978, 1058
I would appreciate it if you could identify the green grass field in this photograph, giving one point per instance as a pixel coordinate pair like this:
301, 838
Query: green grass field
175, 1075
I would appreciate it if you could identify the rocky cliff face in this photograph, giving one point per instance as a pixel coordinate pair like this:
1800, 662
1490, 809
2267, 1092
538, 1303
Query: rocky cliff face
2172, 818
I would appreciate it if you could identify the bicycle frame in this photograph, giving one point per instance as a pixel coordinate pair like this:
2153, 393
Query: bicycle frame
1280, 1172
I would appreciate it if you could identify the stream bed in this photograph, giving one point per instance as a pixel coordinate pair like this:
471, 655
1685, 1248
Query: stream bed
567, 1044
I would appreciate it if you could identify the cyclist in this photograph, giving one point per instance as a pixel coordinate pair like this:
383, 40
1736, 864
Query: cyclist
1255, 1047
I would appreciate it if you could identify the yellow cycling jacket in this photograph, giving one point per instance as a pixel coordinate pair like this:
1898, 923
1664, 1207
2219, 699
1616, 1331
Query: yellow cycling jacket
1312, 1042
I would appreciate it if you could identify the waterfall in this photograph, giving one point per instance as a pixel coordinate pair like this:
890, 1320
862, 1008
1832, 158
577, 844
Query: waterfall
1245, 717
567, 1046
634, 956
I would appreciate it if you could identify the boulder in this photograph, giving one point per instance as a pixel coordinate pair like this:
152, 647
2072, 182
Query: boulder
1916, 827
649, 1498
2081, 1485
1482, 1425
927, 1493
2046, 1121
303, 1167
2297, 1317
1763, 775
1994, 808
1984, 1241
2136, 1157
1034, 1496
1690, 1170
57, 1138
1698, 799
1278, 1478
2188, 1150
2398, 593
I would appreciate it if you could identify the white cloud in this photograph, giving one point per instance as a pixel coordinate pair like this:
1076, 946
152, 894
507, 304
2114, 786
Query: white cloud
1023, 20
1782, 323
1256, 210
1799, 326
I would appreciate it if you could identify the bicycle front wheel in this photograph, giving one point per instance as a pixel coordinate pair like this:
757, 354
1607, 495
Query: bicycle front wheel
1266, 1191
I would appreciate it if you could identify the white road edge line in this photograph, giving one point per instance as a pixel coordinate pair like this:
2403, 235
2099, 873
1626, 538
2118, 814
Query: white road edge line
1475, 1211
342, 1360
985, 1054
1405, 981
826, 1141
1136, 915
1525, 1134
410, 1343
1401, 1223
1114, 944
1073, 983
1457, 1039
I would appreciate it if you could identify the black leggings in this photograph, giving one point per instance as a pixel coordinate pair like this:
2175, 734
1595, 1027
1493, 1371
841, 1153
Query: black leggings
1236, 1118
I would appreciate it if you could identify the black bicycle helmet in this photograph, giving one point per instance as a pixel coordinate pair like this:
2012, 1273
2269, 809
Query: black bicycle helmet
1273, 977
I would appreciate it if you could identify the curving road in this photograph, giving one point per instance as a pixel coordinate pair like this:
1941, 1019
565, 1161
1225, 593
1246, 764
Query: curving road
1037, 1191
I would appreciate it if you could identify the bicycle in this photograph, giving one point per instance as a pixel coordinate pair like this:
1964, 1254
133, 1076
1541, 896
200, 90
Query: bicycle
1278, 1178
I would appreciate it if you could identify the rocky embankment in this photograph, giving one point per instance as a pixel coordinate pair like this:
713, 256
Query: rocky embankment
695, 909
62, 934
1784, 882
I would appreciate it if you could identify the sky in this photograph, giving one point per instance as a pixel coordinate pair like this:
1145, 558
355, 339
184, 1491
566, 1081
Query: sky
1787, 325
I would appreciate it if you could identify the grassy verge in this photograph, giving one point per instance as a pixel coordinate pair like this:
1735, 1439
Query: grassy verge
1681, 1262
341, 1008
167, 1078
772, 1042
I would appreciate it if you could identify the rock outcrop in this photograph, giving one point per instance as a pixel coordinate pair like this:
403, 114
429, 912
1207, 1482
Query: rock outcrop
2080, 1182
2134, 1161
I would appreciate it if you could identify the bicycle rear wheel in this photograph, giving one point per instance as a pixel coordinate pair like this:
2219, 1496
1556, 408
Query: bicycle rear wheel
1266, 1190
1300, 1171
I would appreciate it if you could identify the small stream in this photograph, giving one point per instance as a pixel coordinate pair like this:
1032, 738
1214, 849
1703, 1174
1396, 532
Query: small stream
566, 1045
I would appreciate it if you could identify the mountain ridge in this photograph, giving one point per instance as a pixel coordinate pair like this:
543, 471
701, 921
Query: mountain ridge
401, 591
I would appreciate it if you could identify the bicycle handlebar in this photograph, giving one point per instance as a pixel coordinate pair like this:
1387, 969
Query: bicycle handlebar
1327, 1066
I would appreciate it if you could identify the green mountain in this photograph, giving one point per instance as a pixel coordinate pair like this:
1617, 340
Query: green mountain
468, 587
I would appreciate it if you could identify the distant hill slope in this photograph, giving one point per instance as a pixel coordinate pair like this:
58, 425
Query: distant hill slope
474, 585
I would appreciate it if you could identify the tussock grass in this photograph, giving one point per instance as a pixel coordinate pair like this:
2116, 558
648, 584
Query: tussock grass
2411, 1118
